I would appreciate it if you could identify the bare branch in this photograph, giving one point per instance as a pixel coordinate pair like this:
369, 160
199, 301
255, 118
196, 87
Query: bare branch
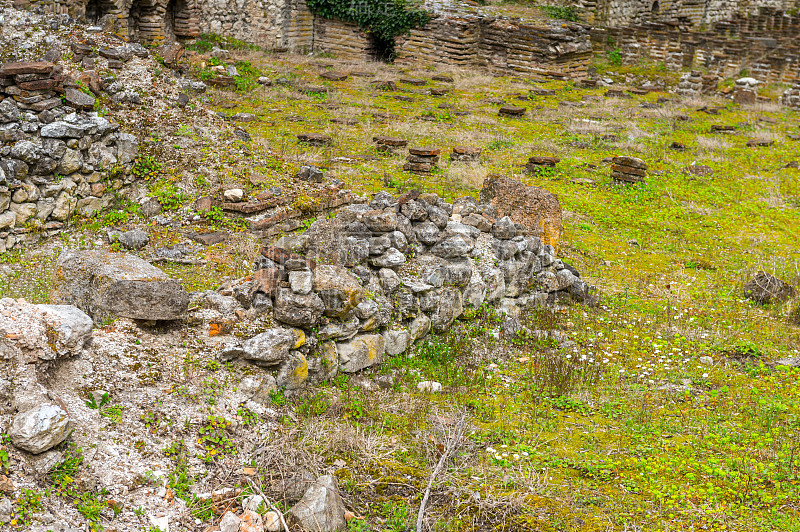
454, 436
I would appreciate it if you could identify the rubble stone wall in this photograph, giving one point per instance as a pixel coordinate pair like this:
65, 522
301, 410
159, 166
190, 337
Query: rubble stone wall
765, 45
688, 13
57, 156
791, 97
379, 276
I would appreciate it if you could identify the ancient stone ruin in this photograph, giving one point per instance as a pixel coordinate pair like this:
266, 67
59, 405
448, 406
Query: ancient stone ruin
147, 21
64, 158
721, 37
791, 98
381, 275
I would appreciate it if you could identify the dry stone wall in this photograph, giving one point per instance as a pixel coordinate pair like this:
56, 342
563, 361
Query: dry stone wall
56, 157
379, 276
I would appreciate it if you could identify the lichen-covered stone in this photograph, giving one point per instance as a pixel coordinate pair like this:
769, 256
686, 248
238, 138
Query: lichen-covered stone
450, 307
272, 346
361, 352
536, 209
300, 310
294, 371
339, 289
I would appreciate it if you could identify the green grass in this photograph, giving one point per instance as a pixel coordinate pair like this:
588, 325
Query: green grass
627, 428
623, 429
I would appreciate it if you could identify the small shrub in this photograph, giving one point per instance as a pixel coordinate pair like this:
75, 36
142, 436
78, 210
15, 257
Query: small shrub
167, 194
247, 416
146, 167
214, 437
569, 13
614, 56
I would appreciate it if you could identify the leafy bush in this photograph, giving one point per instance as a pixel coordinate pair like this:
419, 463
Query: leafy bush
384, 19
614, 56
167, 193
569, 13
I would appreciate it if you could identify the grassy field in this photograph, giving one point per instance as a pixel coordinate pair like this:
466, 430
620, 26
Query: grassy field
623, 427
659, 409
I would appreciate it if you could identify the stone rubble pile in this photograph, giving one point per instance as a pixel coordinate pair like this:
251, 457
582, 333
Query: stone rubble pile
56, 157
791, 97
628, 169
421, 160
695, 82
379, 276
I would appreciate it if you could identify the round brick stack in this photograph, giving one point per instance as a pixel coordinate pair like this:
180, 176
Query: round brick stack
538, 162
465, 154
628, 169
421, 160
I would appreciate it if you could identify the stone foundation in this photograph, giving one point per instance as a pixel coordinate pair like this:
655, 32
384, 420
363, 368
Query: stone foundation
765, 45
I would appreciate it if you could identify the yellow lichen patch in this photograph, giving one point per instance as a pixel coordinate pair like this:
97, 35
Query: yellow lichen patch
301, 338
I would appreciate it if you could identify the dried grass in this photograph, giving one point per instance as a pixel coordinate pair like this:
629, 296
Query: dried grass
712, 145
467, 174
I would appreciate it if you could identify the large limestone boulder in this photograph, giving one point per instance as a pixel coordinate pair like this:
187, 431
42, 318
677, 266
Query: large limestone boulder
40, 428
535, 208
321, 509
30, 333
339, 289
361, 352
109, 285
